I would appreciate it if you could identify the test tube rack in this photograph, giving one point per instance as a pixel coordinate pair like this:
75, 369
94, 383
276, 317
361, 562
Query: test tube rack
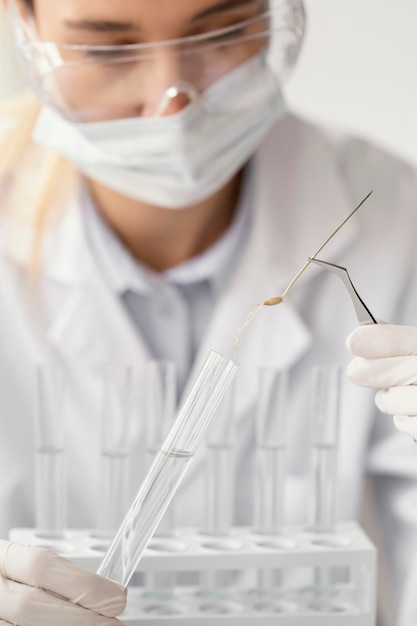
352, 603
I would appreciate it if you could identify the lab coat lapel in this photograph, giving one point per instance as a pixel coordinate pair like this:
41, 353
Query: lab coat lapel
290, 221
94, 327
276, 336
91, 327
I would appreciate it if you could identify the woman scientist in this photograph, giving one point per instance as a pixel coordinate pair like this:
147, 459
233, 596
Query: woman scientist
154, 191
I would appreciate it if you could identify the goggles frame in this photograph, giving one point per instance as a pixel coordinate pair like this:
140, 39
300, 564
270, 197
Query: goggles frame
61, 73
51, 52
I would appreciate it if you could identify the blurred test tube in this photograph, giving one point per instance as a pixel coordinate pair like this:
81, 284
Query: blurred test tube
220, 468
50, 471
270, 461
160, 395
270, 451
326, 383
116, 416
220, 484
325, 415
160, 406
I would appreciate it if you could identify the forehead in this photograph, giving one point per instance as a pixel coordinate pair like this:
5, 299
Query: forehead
165, 13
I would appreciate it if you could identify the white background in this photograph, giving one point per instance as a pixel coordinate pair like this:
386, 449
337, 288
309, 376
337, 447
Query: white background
358, 69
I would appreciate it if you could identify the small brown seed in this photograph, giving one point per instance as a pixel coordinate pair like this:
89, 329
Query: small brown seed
273, 301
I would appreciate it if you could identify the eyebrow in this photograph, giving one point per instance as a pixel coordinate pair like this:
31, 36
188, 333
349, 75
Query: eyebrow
220, 8
108, 26
102, 26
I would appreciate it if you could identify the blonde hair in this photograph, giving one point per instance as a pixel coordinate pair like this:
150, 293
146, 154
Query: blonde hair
55, 176
26, 109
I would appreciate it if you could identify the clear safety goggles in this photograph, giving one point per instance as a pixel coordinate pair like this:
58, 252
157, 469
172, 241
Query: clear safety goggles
104, 82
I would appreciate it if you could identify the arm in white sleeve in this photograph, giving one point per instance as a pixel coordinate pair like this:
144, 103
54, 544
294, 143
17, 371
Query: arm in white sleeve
39, 587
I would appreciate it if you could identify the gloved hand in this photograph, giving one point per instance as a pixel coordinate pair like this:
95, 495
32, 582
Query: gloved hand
387, 359
41, 588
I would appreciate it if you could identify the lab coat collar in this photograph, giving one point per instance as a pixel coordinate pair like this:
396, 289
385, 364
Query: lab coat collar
123, 273
94, 328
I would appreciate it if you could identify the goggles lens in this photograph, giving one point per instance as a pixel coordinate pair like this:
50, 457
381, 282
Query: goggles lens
102, 82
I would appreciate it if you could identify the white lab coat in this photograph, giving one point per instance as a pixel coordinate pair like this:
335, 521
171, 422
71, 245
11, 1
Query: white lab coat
305, 182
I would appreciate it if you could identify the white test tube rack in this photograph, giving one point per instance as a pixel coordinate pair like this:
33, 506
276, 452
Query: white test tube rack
192, 550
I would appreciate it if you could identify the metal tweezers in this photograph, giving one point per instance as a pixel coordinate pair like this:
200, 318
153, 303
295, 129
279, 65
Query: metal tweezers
362, 312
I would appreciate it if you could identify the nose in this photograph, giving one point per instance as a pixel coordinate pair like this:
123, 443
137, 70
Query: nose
159, 86
168, 90
176, 98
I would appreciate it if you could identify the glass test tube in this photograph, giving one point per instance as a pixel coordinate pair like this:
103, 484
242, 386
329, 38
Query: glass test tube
50, 470
270, 463
160, 395
220, 486
116, 416
168, 469
325, 414
160, 406
270, 451
220, 470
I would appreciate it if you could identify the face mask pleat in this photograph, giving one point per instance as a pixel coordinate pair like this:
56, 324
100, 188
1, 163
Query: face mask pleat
178, 160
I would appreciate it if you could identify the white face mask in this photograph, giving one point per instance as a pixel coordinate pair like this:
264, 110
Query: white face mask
178, 160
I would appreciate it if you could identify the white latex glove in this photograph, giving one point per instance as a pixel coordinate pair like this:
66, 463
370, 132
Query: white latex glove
387, 359
41, 588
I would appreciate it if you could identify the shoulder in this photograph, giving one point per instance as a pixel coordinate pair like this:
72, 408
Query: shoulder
360, 158
300, 134
358, 164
